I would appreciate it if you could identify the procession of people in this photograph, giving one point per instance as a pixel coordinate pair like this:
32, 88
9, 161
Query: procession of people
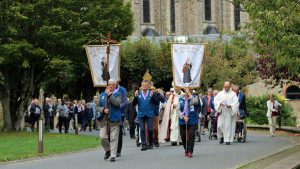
178, 116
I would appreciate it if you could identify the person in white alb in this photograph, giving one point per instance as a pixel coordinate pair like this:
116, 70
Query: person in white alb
226, 104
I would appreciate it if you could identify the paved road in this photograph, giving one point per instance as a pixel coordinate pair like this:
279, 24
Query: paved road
207, 154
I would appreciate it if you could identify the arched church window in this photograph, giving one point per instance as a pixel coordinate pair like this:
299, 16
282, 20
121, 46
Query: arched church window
292, 92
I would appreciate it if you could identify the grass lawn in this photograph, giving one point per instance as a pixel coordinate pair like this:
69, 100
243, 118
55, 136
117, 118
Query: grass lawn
21, 145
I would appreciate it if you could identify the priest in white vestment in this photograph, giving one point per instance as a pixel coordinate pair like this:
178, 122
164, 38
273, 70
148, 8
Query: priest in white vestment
169, 129
226, 104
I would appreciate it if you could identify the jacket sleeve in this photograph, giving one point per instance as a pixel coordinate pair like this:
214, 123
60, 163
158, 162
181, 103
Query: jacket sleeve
135, 101
115, 101
155, 99
124, 99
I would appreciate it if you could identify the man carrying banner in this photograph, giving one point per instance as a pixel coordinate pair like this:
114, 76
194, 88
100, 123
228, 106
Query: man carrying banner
110, 101
188, 120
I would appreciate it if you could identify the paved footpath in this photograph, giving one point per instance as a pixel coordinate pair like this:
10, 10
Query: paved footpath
208, 154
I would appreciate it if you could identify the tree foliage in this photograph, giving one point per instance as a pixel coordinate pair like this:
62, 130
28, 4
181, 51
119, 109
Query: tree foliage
228, 60
142, 55
41, 43
276, 37
224, 60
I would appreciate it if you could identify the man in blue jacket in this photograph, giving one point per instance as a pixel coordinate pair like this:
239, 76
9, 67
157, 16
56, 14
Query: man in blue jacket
188, 121
146, 100
123, 104
110, 112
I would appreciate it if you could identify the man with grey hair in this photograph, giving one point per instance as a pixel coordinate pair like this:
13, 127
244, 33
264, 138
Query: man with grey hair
226, 104
110, 119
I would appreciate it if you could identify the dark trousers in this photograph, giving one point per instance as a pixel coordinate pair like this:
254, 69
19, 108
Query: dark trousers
51, 122
149, 122
47, 122
155, 129
132, 130
95, 126
34, 118
88, 123
120, 140
83, 122
191, 137
63, 121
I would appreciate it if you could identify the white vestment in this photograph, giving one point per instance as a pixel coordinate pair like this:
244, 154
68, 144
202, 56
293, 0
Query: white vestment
227, 118
170, 113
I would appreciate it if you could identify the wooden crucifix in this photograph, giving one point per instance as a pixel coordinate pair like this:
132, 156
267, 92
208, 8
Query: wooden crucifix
105, 69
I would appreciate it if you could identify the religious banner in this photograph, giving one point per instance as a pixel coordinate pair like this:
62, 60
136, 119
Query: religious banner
97, 58
187, 64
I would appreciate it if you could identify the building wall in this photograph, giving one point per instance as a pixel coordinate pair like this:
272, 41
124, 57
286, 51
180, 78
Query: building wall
189, 16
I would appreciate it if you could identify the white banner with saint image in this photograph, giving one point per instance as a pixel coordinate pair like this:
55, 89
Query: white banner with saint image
96, 55
187, 64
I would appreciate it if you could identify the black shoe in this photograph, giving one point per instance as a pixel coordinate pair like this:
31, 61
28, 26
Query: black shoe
227, 143
118, 155
107, 155
221, 140
174, 143
113, 159
144, 148
138, 145
150, 146
180, 143
156, 144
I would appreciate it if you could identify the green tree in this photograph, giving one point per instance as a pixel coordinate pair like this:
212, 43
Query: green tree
39, 40
229, 60
142, 55
275, 34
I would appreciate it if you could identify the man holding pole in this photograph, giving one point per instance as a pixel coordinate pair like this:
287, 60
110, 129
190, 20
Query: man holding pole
188, 120
110, 101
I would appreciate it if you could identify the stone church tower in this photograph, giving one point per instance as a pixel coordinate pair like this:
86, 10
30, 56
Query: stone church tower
185, 17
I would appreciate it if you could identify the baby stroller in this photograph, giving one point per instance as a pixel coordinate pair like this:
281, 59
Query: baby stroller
211, 126
241, 128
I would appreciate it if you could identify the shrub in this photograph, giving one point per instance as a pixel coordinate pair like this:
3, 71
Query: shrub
257, 110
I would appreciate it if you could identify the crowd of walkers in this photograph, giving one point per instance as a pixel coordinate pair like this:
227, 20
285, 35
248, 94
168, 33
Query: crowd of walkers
154, 116
59, 113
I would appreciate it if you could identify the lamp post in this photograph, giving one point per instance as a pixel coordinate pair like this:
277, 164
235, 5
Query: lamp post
40, 124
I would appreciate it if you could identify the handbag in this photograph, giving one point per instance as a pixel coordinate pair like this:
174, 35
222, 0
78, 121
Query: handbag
274, 113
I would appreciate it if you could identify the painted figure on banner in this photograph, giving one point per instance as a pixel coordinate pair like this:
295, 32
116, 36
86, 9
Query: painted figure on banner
187, 71
105, 71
